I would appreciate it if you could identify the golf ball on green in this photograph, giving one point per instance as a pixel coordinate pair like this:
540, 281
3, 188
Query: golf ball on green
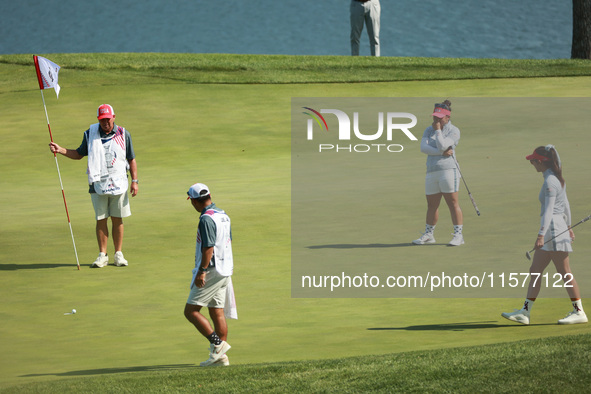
73, 311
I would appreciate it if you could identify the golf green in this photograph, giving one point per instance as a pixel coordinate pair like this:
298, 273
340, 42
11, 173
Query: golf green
236, 139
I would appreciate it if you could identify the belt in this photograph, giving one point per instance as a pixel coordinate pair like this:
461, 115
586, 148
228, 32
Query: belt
362, 1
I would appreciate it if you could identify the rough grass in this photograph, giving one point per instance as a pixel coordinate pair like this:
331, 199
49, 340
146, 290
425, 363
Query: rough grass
275, 69
541, 365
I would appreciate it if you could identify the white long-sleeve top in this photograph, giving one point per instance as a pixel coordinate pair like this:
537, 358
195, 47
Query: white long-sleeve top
554, 201
435, 142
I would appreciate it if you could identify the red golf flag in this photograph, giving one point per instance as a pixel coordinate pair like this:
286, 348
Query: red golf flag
47, 73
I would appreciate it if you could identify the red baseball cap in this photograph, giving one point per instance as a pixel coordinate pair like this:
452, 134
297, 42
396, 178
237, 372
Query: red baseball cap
105, 111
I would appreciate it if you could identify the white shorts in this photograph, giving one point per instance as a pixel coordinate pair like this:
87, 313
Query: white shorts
213, 294
562, 243
106, 205
442, 181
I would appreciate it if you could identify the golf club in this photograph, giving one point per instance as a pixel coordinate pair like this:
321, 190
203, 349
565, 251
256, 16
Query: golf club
465, 184
528, 254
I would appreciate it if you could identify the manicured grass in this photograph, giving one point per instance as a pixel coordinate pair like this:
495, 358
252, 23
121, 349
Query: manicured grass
234, 136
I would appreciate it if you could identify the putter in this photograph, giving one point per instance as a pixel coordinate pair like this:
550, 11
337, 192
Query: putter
528, 254
465, 184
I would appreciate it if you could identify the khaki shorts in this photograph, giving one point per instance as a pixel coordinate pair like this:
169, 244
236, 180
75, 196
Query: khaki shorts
442, 181
213, 294
106, 205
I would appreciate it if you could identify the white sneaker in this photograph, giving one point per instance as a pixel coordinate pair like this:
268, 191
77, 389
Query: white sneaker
206, 363
518, 316
216, 353
574, 317
457, 240
223, 361
120, 260
426, 238
101, 261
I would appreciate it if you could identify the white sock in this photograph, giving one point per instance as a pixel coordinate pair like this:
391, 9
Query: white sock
458, 228
527, 305
429, 229
578, 306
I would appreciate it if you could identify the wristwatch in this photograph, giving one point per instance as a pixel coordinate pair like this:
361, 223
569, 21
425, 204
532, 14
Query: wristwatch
135, 181
201, 269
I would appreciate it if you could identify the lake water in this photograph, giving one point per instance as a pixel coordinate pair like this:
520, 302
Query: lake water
540, 29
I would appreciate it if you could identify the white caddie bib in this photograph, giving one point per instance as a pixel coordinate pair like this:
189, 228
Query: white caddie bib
222, 250
107, 165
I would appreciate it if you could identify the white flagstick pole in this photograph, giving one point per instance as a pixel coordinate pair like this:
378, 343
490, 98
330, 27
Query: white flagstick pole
60, 178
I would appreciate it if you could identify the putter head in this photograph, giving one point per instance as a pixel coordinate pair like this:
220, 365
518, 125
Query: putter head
528, 255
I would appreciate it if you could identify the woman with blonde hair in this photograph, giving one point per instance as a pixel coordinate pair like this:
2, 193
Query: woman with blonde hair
555, 222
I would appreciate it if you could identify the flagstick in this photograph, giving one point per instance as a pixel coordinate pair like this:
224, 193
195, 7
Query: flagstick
61, 184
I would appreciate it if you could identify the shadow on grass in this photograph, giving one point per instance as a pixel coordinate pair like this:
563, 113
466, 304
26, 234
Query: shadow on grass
105, 371
454, 326
15, 267
367, 246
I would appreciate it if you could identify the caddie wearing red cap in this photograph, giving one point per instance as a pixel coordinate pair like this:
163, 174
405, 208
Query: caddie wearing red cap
110, 155
443, 177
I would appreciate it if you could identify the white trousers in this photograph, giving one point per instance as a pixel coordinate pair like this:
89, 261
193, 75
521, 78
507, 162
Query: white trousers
367, 13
